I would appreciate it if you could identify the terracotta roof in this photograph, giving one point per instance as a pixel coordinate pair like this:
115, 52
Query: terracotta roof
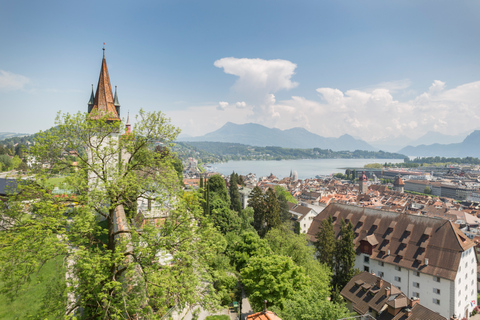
366, 291
269, 315
443, 247
103, 102
398, 182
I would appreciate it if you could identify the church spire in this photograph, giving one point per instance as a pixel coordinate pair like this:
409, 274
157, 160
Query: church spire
116, 103
103, 101
91, 102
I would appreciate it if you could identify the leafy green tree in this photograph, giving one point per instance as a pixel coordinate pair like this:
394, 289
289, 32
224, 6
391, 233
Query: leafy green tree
135, 272
325, 244
306, 305
6, 162
344, 256
225, 219
282, 191
246, 219
242, 248
273, 278
178, 166
427, 190
235, 203
218, 188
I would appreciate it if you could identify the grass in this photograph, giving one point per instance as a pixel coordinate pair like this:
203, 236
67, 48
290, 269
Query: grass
56, 182
221, 317
30, 301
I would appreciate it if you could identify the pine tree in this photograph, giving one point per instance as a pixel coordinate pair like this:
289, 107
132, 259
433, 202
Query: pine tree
325, 243
272, 210
235, 203
257, 202
344, 256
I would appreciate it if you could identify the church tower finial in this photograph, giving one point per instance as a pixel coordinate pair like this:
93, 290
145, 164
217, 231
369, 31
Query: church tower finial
116, 103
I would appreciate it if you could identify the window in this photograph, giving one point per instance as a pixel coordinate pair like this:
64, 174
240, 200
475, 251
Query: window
459, 303
416, 294
435, 290
436, 279
398, 279
416, 285
365, 268
398, 268
366, 259
380, 263
466, 275
436, 301
380, 274
416, 273
459, 280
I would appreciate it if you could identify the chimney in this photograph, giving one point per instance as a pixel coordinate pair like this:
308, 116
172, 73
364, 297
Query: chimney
265, 311
387, 292
379, 282
426, 261
408, 312
413, 302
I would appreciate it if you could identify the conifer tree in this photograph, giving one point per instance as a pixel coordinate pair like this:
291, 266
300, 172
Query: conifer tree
272, 210
257, 202
325, 243
235, 203
344, 256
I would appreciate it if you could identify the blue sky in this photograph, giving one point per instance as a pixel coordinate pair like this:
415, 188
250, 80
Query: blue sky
372, 69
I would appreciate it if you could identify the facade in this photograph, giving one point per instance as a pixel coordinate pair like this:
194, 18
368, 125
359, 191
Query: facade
426, 258
303, 215
363, 180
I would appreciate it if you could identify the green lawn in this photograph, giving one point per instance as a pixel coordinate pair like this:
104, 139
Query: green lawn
30, 301
56, 182
222, 317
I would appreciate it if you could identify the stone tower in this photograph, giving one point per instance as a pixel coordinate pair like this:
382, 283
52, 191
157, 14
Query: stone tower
363, 188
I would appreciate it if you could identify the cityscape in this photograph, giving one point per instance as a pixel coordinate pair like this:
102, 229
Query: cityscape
262, 160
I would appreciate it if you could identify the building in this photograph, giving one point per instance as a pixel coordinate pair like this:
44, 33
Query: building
398, 184
302, 215
363, 180
426, 258
367, 294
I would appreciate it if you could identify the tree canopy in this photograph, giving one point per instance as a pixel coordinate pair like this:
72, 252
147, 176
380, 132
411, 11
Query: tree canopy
141, 269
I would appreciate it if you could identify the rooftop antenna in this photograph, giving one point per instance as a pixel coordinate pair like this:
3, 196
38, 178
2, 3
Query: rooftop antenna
104, 50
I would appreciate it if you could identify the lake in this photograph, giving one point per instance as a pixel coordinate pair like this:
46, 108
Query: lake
306, 168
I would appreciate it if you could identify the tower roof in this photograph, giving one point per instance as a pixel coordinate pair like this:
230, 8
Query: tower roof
363, 177
104, 102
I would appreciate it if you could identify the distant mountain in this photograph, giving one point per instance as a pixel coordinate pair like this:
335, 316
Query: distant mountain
391, 144
467, 148
257, 135
432, 137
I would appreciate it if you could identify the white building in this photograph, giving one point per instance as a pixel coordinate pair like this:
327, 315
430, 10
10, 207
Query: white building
427, 258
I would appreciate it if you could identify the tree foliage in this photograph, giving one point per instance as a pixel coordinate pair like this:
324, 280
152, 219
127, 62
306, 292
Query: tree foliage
325, 243
142, 271
273, 278
344, 256
235, 203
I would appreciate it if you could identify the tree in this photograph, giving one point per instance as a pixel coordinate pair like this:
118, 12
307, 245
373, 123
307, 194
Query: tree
273, 278
427, 190
241, 248
118, 273
288, 196
257, 202
235, 203
325, 243
272, 210
344, 256
218, 188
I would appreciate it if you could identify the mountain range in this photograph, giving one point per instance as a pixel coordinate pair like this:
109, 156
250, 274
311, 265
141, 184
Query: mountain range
257, 135
467, 148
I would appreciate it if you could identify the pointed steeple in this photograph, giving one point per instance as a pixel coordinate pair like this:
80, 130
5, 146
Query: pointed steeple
128, 125
103, 101
91, 102
116, 103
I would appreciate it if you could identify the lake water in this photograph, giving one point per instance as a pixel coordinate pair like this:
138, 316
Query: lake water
306, 168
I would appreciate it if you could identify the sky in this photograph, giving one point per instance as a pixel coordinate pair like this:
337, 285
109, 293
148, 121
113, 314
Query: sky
371, 69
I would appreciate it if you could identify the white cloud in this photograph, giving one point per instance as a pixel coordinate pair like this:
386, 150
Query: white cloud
222, 105
258, 81
371, 113
11, 81
241, 104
